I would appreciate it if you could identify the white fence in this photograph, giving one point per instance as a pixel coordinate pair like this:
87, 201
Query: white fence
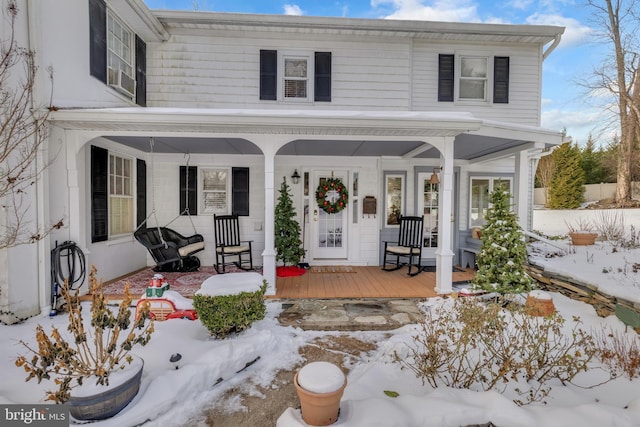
593, 192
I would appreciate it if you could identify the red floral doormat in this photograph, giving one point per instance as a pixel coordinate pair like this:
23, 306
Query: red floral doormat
185, 283
289, 271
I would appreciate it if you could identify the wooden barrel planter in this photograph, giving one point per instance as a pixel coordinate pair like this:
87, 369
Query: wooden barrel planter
583, 239
108, 400
320, 386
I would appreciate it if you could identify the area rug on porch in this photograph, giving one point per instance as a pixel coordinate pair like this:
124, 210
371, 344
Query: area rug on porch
184, 283
332, 269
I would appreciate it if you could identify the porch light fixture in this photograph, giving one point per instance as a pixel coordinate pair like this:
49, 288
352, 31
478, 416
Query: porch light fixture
434, 177
295, 178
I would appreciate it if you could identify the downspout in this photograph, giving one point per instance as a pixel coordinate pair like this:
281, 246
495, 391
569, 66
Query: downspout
42, 244
556, 42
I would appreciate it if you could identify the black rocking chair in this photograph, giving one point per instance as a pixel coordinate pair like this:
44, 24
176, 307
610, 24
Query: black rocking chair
170, 250
229, 245
408, 246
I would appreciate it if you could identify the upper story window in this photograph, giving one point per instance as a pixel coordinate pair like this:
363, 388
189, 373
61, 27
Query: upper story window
120, 57
473, 78
296, 77
288, 76
117, 56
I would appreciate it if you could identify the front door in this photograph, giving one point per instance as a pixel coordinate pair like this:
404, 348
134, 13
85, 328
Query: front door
328, 230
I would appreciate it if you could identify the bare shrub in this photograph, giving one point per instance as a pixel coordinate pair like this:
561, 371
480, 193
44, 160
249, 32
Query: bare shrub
619, 352
477, 345
609, 224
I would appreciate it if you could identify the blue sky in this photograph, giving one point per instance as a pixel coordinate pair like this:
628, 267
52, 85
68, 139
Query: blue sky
565, 103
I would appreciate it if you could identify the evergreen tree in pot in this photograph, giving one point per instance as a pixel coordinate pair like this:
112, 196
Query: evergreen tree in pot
503, 251
289, 248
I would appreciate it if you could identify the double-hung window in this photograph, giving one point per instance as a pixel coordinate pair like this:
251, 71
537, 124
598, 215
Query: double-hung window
121, 201
117, 56
295, 76
215, 190
295, 81
473, 78
120, 56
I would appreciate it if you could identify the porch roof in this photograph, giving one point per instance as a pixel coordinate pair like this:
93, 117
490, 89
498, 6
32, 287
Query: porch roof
312, 132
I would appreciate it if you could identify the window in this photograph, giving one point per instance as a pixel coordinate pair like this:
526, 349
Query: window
295, 79
117, 56
428, 206
481, 188
470, 78
473, 78
215, 190
116, 184
295, 76
120, 195
394, 189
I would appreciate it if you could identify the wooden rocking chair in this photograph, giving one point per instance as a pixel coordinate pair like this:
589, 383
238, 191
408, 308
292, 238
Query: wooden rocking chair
229, 245
408, 246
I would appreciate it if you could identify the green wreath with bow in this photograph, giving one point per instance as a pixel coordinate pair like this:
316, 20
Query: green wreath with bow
332, 195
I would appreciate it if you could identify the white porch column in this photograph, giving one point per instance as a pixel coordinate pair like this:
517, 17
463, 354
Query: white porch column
444, 253
521, 188
269, 254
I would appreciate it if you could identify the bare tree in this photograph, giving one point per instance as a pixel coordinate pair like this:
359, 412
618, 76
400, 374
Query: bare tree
619, 75
23, 131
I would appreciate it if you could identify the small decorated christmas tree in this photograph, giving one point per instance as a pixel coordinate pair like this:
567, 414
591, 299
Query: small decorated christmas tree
503, 251
289, 248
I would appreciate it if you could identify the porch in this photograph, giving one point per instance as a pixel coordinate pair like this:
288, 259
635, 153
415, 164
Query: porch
325, 282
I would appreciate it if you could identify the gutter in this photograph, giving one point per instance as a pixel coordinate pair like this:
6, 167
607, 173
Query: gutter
556, 42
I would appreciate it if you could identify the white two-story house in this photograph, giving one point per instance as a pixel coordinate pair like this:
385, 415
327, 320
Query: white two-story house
159, 110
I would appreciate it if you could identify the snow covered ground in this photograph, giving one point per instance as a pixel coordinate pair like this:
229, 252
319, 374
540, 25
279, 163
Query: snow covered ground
170, 397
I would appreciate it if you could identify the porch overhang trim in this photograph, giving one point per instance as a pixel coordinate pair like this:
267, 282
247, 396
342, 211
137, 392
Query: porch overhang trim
432, 30
519, 132
300, 122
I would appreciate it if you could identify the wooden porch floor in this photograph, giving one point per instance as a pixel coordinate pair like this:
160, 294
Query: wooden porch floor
363, 282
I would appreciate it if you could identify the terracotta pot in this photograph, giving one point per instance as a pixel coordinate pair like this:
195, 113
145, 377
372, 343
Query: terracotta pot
319, 409
539, 304
583, 239
107, 402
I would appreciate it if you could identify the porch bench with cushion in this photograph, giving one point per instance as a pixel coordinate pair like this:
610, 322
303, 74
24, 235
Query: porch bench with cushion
469, 257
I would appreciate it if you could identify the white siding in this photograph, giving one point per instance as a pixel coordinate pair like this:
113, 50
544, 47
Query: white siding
524, 82
222, 71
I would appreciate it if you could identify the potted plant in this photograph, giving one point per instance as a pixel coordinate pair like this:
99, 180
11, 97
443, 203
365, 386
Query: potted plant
288, 244
582, 232
84, 364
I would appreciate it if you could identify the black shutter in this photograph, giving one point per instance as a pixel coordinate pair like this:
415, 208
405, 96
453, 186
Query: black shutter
445, 78
323, 77
189, 189
501, 79
240, 191
141, 72
98, 39
99, 195
268, 74
141, 191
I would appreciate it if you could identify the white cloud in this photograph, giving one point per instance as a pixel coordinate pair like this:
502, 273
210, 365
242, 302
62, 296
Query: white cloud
441, 10
580, 124
574, 34
292, 9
